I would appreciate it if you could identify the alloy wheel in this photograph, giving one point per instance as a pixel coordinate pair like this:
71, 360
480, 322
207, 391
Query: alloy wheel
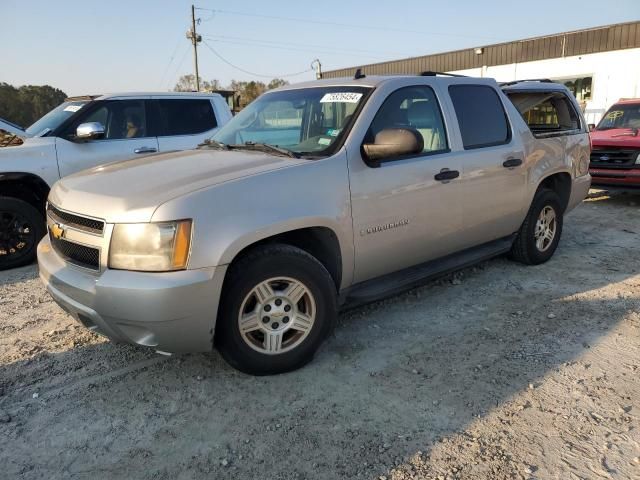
546, 227
277, 315
17, 235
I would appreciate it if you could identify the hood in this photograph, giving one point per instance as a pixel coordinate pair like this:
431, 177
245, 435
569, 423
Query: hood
36, 156
130, 191
618, 137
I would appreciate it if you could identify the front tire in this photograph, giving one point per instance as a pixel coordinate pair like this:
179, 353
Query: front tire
21, 228
279, 303
539, 235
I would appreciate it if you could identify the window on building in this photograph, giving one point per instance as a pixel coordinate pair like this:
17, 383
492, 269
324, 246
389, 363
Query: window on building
482, 119
580, 87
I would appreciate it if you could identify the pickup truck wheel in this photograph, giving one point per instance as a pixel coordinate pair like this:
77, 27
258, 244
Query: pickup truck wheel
279, 304
540, 232
21, 228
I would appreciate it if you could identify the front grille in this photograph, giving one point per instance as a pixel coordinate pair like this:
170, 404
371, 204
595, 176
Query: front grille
75, 221
80, 255
612, 157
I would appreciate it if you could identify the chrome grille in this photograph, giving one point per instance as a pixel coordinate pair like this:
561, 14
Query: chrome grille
78, 222
80, 255
612, 157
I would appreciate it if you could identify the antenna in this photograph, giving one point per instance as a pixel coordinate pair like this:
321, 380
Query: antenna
359, 74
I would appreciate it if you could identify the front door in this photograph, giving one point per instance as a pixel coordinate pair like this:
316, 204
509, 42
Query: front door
125, 136
402, 214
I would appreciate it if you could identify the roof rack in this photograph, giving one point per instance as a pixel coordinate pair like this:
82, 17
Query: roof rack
81, 98
358, 75
430, 73
541, 80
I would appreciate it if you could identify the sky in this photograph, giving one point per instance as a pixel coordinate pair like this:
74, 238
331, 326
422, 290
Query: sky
88, 47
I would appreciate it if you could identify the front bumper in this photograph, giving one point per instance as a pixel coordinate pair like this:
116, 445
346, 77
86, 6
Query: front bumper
619, 177
171, 312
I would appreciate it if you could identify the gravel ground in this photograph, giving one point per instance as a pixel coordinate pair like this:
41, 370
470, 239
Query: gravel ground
499, 372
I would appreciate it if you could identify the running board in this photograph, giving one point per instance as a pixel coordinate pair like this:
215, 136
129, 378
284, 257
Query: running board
402, 280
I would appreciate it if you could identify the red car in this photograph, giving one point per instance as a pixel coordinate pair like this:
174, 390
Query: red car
615, 153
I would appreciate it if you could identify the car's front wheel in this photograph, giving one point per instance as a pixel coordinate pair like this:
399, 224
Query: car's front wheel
539, 235
278, 305
21, 228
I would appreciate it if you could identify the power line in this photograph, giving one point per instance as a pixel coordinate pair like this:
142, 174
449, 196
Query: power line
252, 73
175, 50
184, 56
293, 49
325, 48
346, 25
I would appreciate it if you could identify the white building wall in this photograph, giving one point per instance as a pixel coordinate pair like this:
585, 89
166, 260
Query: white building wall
615, 75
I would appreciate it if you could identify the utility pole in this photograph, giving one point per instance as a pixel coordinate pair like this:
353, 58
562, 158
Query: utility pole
318, 67
195, 39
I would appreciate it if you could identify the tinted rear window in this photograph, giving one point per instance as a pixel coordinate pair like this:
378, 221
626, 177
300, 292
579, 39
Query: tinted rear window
482, 119
184, 117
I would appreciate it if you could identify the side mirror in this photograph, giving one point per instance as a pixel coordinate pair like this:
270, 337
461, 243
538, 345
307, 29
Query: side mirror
592, 127
391, 144
89, 131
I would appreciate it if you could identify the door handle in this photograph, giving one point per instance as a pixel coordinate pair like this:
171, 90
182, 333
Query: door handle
145, 150
445, 175
512, 162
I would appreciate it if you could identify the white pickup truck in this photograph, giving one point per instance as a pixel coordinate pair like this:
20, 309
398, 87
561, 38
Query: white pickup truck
84, 132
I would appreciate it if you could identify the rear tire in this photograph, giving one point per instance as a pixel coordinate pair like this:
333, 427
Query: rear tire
279, 303
540, 232
21, 228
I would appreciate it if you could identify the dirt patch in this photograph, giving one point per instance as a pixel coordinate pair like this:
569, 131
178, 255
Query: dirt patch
499, 372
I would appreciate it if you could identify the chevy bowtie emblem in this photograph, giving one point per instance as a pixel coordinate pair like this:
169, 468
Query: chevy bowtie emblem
57, 231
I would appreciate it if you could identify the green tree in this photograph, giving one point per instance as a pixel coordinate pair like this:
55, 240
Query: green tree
26, 104
186, 83
276, 83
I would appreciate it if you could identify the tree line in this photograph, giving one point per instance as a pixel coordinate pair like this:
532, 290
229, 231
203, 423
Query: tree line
247, 91
26, 104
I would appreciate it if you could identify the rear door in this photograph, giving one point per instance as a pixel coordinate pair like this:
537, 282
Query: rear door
182, 123
493, 178
126, 136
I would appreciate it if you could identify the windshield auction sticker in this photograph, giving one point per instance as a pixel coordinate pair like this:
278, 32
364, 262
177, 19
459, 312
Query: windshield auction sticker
72, 108
341, 97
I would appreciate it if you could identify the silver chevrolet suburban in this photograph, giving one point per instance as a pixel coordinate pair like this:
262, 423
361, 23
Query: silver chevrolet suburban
315, 197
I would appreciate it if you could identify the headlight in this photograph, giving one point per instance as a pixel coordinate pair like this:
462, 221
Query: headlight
150, 247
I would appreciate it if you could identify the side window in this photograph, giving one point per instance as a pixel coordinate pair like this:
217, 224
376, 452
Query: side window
184, 117
413, 107
481, 116
121, 119
546, 112
101, 115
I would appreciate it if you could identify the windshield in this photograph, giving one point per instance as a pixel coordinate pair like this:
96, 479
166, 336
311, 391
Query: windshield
621, 116
54, 118
310, 121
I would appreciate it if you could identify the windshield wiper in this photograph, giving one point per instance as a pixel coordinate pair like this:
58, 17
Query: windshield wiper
264, 147
214, 144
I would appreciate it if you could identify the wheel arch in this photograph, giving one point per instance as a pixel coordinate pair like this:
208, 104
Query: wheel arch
559, 182
320, 241
25, 186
